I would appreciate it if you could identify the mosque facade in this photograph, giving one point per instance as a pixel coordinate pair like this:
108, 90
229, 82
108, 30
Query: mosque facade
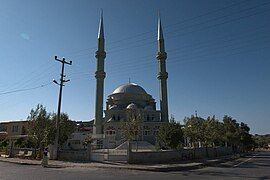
128, 102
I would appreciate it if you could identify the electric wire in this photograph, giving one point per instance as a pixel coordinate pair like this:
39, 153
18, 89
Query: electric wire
25, 89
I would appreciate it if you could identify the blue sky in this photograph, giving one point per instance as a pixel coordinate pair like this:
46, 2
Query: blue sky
218, 55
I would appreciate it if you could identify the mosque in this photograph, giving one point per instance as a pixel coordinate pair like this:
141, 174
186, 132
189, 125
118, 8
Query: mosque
128, 101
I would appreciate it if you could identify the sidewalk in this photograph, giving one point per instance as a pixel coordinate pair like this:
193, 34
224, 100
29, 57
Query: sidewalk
114, 165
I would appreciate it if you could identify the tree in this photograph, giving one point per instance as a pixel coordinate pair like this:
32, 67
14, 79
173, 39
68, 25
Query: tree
246, 139
42, 127
66, 128
262, 141
4, 143
213, 132
231, 129
38, 126
194, 128
132, 126
170, 136
88, 140
19, 142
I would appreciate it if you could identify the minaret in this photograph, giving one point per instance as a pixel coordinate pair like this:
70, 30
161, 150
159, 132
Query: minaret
100, 76
162, 74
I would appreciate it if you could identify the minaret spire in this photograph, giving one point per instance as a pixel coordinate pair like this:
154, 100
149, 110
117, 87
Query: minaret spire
100, 76
160, 32
162, 74
101, 29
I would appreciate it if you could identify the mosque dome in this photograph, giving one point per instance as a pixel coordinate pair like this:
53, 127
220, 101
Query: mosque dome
131, 106
114, 107
130, 88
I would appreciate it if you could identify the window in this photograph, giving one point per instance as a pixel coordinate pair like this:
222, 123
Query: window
146, 131
110, 131
3, 128
23, 131
15, 128
156, 130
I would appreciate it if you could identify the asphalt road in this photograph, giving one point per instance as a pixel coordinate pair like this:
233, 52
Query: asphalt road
255, 166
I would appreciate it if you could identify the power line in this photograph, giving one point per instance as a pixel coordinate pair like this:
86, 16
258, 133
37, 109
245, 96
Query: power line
200, 46
26, 89
175, 60
203, 28
193, 31
222, 17
198, 24
122, 73
165, 27
24, 79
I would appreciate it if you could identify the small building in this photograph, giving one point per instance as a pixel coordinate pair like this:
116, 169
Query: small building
77, 139
13, 129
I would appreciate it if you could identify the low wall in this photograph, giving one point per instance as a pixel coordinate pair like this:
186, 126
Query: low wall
108, 155
184, 154
16, 151
98, 157
71, 155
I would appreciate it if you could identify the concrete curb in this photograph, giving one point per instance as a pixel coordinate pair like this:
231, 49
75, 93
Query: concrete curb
18, 162
145, 168
153, 168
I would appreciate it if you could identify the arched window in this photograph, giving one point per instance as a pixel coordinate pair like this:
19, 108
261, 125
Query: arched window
110, 131
146, 131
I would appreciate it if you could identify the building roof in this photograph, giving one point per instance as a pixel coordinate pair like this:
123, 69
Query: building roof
13, 121
130, 88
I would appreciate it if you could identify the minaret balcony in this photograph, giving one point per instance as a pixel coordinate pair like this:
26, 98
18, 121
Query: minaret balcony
162, 75
161, 56
100, 74
100, 55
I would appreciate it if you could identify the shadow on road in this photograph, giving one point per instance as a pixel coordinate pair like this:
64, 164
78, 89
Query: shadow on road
254, 166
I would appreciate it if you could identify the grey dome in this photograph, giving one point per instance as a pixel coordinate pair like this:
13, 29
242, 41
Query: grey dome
131, 106
114, 107
130, 88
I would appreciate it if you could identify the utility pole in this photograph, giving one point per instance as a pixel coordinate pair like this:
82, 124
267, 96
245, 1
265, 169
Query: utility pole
61, 84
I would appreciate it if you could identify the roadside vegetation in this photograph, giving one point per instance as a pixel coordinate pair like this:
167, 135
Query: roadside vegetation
41, 130
209, 132
262, 141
